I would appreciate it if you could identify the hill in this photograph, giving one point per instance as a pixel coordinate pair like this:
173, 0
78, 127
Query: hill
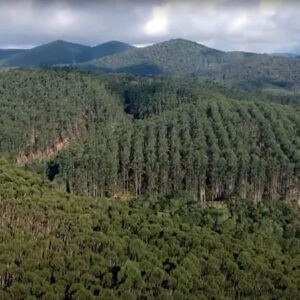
109, 48
62, 52
142, 188
58, 52
176, 57
286, 54
5, 53
185, 58
109, 135
183, 53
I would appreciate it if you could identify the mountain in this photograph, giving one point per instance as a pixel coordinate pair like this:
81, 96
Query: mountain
5, 53
286, 54
62, 53
176, 57
58, 52
109, 48
185, 58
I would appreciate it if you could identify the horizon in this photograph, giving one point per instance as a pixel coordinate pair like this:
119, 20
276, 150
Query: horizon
139, 46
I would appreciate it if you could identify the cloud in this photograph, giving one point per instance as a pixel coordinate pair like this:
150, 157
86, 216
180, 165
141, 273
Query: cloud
158, 23
261, 26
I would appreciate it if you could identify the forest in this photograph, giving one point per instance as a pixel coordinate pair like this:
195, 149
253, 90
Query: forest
54, 245
126, 136
118, 186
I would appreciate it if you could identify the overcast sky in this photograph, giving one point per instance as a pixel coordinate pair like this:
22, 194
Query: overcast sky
253, 25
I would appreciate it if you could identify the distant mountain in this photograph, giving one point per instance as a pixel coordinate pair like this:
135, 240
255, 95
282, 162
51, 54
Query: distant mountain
185, 58
109, 48
5, 53
62, 53
58, 52
171, 57
291, 55
176, 57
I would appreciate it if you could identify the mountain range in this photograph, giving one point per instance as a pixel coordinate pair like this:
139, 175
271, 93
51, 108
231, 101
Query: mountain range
59, 52
286, 54
185, 58
177, 57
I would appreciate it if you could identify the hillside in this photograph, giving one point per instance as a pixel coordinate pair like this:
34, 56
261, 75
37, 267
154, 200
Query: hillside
43, 107
62, 53
185, 58
127, 187
55, 245
109, 48
286, 54
112, 135
58, 52
5, 53
176, 57
184, 54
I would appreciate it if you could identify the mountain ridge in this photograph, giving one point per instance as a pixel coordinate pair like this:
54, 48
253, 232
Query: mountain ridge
5, 53
176, 57
181, 57
60, 52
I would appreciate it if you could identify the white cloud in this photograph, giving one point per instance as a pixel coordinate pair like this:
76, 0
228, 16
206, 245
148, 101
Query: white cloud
62, 19
158, 23
257, 25
240, 22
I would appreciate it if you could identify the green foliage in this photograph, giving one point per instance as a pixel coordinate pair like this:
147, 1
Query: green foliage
41, 108
59, 246
121, 135
164, 147
213, 147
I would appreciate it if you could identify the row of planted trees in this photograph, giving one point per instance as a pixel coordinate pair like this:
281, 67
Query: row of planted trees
150, 135
213, 149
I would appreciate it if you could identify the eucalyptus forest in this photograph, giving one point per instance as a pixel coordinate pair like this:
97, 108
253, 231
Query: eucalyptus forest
118, 186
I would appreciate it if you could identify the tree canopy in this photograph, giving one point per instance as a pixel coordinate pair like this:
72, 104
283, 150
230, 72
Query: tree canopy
54, 245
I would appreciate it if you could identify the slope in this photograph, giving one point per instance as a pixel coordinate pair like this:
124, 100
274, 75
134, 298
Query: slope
62, 52
160, 135
59, 246
41, 108
58, 52
109, 48
162, 56
185, 58
5, 53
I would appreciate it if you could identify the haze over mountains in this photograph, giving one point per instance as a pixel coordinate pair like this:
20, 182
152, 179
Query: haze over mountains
174, 57
59, 52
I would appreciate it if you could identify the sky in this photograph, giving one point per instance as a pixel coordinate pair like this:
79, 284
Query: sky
263, 26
